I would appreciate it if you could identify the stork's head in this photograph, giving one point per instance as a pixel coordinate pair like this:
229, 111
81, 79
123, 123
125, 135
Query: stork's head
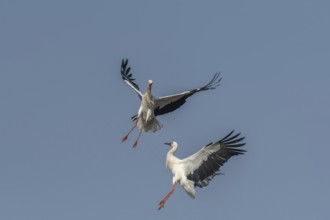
172, 144
149, 84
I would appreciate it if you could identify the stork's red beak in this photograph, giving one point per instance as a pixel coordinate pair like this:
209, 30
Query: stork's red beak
168, 143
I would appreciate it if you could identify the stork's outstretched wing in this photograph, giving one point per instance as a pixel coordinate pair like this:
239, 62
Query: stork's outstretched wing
170, 103
127, 77
202, 166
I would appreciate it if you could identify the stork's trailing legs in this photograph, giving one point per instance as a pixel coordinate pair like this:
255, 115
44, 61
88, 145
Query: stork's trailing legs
135, 124
162, 203
137, 139
126, 136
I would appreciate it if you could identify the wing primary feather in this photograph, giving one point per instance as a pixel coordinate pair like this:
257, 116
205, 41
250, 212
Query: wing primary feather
212, 162
223, 139
126, 75
215, 82
173, 105
124, 63
234, 141
127, 71
232, 137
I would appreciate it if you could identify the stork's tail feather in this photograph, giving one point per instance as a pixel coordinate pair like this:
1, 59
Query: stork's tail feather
151, 126
189, 188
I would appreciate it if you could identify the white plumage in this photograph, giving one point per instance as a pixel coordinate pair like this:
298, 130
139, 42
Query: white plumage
200, 168
151, 106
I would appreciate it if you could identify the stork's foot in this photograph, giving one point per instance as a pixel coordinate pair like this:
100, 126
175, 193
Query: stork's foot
161, 204
124, 138
135, 144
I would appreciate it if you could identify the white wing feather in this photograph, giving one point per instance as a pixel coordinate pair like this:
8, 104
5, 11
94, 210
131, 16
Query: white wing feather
194, 161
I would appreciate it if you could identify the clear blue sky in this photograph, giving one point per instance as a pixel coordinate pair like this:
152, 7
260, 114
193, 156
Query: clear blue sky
64, 107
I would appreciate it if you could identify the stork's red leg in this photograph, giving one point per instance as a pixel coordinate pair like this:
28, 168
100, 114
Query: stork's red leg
162, 203
126, 136
137, 139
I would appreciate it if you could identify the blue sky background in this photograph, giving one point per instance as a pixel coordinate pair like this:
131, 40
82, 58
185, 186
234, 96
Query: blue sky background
64, 107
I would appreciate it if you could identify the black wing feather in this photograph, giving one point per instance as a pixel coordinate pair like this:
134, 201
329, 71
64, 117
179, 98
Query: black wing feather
209, 168
178, 103
126, 75
172, 106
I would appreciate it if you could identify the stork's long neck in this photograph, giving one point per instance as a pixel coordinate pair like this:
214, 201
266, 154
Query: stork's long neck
173, 149
170, 156
148, 96
148, 92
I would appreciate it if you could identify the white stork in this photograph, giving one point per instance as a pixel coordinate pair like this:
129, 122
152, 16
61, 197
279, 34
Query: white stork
151, 107
200, 168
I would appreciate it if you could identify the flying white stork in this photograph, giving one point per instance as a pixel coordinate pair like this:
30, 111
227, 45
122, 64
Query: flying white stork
151, 106
200, 168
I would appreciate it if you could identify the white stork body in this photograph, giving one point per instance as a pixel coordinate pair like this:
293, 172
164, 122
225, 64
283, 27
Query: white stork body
146, 119
151, 107
200, 168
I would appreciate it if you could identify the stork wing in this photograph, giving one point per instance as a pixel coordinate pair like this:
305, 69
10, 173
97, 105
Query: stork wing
202, 166
127, 77
170, 103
